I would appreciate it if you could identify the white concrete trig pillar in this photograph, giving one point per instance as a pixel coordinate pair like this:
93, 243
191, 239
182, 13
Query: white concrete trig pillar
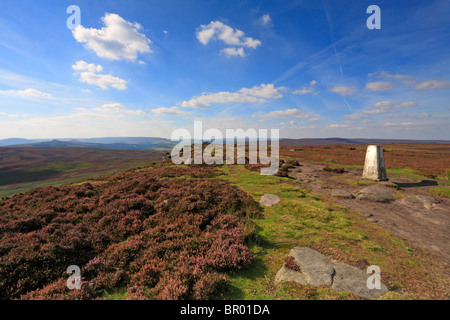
374, 166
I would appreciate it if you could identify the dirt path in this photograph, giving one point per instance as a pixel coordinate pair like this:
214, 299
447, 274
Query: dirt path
427, 228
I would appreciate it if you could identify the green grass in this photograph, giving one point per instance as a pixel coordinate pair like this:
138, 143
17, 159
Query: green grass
304, 219
440, 191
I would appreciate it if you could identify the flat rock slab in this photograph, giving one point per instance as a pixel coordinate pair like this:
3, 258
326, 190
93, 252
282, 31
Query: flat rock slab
318, 270
376, 193
269, 200
339, 193
316, 267
354, 280
420, 201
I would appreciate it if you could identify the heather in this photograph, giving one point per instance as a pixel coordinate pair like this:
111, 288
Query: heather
156, 233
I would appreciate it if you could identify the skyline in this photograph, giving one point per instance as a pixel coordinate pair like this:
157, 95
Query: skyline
309, 68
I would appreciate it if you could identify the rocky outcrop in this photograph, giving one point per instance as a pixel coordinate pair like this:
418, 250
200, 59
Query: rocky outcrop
376, 193
315, 269
420, 201
340, 193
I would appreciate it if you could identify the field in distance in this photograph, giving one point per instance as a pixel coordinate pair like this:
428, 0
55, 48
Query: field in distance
23, 169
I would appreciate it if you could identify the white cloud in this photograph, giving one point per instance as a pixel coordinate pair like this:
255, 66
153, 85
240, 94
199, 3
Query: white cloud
406, 79
8, 115
234, 52
404, 124
173, 111
385, 74
289, 113
389, 106
84, 66
265, 19
103, 81
355, 116
27, 93
306, 90
217, 30
264, 91
343, 90
257, 94
339, 126
433, 85
117, 40
379, 86
118, 109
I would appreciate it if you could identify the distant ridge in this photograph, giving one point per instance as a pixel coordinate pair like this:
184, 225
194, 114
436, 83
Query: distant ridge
95, 143
332, 141
142, 143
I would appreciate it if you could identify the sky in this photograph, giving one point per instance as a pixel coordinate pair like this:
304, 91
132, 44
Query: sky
310, 68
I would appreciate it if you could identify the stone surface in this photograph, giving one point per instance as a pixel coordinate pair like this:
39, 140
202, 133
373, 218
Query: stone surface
285, 274
269, 200
317, 269
376, 193
420, 201
354, 280
374, 166
341, 193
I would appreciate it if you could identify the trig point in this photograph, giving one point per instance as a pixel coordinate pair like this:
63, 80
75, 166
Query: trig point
374, 167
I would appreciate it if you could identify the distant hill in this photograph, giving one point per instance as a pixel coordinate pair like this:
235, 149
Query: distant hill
95, 143
332, 141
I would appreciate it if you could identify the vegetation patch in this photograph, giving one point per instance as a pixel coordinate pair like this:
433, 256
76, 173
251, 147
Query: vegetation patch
138, 236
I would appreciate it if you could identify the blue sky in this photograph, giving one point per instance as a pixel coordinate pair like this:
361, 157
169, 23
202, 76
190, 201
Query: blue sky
145, 68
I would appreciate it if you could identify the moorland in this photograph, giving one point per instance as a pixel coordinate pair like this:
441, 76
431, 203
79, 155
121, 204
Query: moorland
153, 230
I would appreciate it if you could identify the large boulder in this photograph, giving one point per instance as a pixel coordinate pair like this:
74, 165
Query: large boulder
354, 280
376, 193
316, 267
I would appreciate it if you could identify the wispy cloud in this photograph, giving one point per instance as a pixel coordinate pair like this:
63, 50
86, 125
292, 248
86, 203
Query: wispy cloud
433, 85
389, 106
257, 94
289, 113
173, 111
343, 90
379, 86
27, 93
306, 90
265, 19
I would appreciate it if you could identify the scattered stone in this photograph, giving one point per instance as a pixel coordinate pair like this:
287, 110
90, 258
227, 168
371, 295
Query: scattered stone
354, 280
341, 193
291, 150
269, 200
335, 170
366, 214
372, 219
422, 201
376, 193
316, 269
